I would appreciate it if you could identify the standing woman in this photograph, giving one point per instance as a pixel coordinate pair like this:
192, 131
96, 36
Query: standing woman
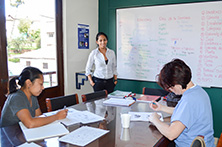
22, 104
192, 116
105, 73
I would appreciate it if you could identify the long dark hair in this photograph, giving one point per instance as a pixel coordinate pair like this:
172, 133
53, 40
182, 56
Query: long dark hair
30, 73
99, 34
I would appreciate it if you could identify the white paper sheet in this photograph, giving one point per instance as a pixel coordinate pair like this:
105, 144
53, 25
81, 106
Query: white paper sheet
142, 116
118, 102
83, 136
86, 117
32, 144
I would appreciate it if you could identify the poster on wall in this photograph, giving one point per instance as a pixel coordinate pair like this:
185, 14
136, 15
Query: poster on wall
83, 36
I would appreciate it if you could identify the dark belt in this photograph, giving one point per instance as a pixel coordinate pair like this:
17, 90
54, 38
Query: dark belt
102, 80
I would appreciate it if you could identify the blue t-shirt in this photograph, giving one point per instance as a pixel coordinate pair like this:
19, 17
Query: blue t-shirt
14, 103
194, 111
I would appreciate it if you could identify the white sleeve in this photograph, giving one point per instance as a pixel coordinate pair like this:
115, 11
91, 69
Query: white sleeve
89, 64
114, 64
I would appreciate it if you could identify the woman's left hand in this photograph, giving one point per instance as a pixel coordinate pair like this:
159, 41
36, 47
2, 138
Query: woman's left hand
154, 116
115, 82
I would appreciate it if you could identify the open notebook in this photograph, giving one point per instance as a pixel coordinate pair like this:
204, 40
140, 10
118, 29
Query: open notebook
46, 131
77, 117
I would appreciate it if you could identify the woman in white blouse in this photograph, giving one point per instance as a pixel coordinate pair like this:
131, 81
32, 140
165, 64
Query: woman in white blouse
104, 60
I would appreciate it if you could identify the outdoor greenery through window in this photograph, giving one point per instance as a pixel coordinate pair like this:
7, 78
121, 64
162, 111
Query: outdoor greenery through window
31, 37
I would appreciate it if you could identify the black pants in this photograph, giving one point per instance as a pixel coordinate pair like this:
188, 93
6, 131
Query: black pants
103, 84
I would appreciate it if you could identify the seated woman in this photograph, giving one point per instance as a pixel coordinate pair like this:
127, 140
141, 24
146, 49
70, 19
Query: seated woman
22, 104
192, 116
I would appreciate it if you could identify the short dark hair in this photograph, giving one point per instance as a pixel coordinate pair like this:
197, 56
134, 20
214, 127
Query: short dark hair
99, 34
174, 72
30, 73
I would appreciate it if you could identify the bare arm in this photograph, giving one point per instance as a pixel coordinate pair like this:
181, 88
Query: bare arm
171, 131
115, 78
38, 112
90, 80
32, 122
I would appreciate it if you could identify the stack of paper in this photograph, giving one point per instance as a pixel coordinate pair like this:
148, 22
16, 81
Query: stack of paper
118, 94
142, 116
118, 102
83, 136
50, 130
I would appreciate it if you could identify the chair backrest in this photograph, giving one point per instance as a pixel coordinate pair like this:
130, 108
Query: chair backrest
198, 142
152, 91
94, 95
61, 101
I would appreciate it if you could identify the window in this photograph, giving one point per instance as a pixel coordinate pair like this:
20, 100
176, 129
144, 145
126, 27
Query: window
55, 86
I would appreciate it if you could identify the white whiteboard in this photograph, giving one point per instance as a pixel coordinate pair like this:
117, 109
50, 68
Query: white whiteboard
149, 37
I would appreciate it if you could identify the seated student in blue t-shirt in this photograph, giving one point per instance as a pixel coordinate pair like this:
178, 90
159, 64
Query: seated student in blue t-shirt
22, 104
192, 116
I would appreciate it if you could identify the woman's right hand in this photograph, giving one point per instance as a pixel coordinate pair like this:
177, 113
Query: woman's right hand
62, 114
155, 106
92, 83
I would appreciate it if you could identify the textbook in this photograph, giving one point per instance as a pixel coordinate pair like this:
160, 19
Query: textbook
149, 98
118, 102
50, 130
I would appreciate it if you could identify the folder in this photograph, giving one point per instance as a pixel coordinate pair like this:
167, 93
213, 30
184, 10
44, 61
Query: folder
50, 130
149, 98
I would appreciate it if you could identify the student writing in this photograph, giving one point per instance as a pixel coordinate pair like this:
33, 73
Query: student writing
192, 116
22, 104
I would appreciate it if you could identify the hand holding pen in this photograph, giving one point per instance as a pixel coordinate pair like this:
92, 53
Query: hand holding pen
62, 113
155, 106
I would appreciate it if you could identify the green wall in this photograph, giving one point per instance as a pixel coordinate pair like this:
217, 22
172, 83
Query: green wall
107, 24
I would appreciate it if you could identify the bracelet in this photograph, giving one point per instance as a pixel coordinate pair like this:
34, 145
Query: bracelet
115, 80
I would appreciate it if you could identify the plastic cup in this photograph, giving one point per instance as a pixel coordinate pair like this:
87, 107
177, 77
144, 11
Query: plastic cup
125, 134
125, 120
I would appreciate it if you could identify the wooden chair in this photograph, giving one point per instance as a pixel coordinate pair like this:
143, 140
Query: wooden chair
198, 142
94, 95
152, 91
219, 144
163, 142
59, 102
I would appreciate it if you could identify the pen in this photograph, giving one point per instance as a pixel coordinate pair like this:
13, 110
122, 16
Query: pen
127, 95
158, 99
133, 98
64, 107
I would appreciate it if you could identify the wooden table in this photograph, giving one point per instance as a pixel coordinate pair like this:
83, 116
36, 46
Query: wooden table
140, 134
